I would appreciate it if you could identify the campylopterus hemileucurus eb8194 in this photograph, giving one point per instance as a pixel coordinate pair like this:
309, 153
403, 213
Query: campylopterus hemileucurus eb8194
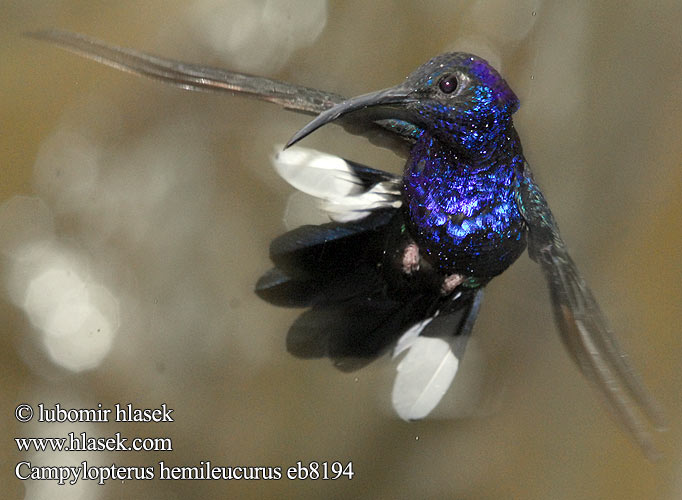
403, 262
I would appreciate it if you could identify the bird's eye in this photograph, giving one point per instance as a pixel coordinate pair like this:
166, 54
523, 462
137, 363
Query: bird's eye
448, 84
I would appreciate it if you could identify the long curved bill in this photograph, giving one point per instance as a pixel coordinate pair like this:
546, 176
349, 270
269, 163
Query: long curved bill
383, 104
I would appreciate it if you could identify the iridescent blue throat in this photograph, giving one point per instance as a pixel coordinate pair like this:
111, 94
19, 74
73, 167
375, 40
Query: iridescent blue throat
461, 211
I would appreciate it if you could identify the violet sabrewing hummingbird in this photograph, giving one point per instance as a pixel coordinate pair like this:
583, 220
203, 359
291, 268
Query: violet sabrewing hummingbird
403, 261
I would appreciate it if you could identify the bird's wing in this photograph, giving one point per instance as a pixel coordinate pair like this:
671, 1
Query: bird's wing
392, 134
582, 324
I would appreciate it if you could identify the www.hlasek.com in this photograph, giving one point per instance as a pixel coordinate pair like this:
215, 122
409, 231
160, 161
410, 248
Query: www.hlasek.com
204, 471
83, 442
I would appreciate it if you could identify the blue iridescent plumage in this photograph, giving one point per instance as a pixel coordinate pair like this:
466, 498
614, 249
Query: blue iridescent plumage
406, 262
462, 213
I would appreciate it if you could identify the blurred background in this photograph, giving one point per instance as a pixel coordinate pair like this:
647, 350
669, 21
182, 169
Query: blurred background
135, 219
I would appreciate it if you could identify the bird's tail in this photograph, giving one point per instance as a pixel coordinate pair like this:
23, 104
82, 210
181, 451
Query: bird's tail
364, 284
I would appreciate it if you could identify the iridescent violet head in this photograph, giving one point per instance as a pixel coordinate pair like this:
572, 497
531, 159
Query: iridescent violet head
456, 97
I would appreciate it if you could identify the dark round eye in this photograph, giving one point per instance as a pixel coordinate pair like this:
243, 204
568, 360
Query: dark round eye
448, 84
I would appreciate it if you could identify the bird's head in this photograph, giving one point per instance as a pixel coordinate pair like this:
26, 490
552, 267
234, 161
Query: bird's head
457, 98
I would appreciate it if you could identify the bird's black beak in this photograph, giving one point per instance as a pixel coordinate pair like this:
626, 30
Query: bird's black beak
383, 104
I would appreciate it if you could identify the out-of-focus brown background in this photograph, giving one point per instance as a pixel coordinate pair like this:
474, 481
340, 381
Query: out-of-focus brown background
135, 219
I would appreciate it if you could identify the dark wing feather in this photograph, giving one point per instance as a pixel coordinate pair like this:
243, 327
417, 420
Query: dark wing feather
359, 304
392, 134
582, 324
192, 76
351, 332
330, 248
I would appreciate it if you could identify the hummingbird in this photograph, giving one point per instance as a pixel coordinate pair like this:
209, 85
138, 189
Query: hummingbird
404, 259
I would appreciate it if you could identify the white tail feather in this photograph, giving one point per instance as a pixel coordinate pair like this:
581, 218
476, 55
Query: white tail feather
355, 207
318, 174
332, 180
424, 376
